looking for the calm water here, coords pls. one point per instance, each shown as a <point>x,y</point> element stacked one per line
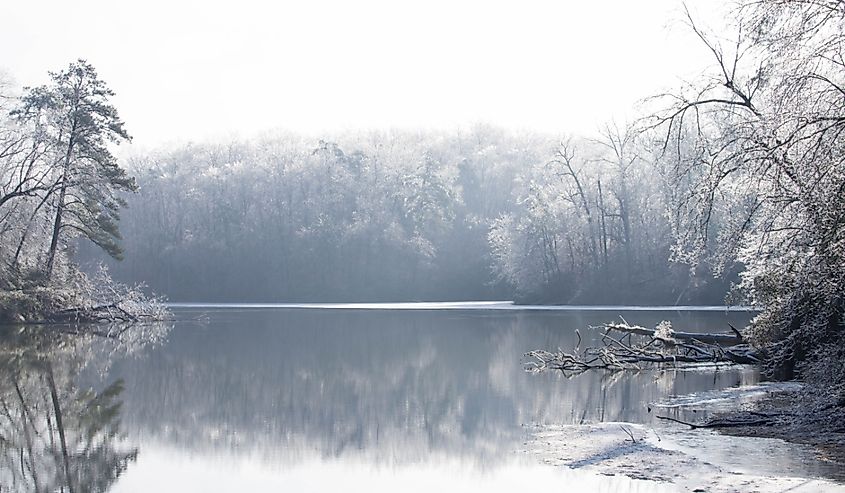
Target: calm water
<point>256,399</point>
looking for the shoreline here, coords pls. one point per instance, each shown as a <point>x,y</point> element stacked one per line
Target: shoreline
<point>700,460</point>
<point>797,425</point>
<point>789,455</point>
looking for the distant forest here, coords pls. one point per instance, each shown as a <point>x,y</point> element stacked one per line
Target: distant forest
<point>398,216</point>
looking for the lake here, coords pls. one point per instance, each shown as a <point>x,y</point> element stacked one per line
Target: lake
<point>391,398</point>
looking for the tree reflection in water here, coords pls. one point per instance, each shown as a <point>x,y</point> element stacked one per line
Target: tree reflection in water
<point>54,435</point>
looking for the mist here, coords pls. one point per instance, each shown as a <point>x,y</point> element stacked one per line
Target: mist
<point>478,214</point>
<point>458,246</point>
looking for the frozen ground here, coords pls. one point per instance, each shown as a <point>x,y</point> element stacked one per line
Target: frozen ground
<point>674,460</point>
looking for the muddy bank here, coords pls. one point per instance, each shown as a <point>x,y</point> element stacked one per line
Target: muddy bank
<point>794,419</point>
<point>781,410</point>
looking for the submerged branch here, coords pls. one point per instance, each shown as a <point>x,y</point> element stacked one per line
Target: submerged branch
<point>724,423</point>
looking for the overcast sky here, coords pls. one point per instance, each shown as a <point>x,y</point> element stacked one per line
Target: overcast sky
<point>194,70</point>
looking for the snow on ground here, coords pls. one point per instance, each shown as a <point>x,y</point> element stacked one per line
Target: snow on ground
<point>656,455</point>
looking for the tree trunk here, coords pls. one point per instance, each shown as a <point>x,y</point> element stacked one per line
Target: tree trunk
<point>57,227</point>
<point>57,224</point>
<point>603,230</point>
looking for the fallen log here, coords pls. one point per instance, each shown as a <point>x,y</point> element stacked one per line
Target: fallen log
<point>707,338</point>
<point>657,347</point>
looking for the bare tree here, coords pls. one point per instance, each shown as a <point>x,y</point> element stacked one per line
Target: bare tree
<point>756,153</point>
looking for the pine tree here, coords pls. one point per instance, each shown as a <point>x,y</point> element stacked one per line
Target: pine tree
<point>75,117</point>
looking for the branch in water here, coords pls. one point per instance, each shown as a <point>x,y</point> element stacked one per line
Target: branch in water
<point>660,346</point>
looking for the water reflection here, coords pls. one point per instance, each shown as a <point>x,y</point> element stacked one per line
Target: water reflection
<point>286,385</point>
<point>54,434</point>
<point>264,397</point>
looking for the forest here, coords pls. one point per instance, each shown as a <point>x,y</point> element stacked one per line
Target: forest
<point>402,216</point>
<point>727,190</point>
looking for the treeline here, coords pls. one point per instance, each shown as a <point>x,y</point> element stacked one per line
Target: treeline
<point>478,214</point>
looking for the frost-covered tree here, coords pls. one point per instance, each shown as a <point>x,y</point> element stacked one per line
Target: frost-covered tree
<point>590,227</point>
<point>74,119</point>
<point>60,184</point>
<point>755,151</point>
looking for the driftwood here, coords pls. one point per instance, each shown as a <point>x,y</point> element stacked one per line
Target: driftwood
<point>721,339</point>
<point>654,347</point>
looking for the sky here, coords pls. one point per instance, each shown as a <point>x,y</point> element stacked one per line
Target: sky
<point>201,70</point>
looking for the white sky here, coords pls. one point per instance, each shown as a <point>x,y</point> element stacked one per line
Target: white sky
<point>193,70</point>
